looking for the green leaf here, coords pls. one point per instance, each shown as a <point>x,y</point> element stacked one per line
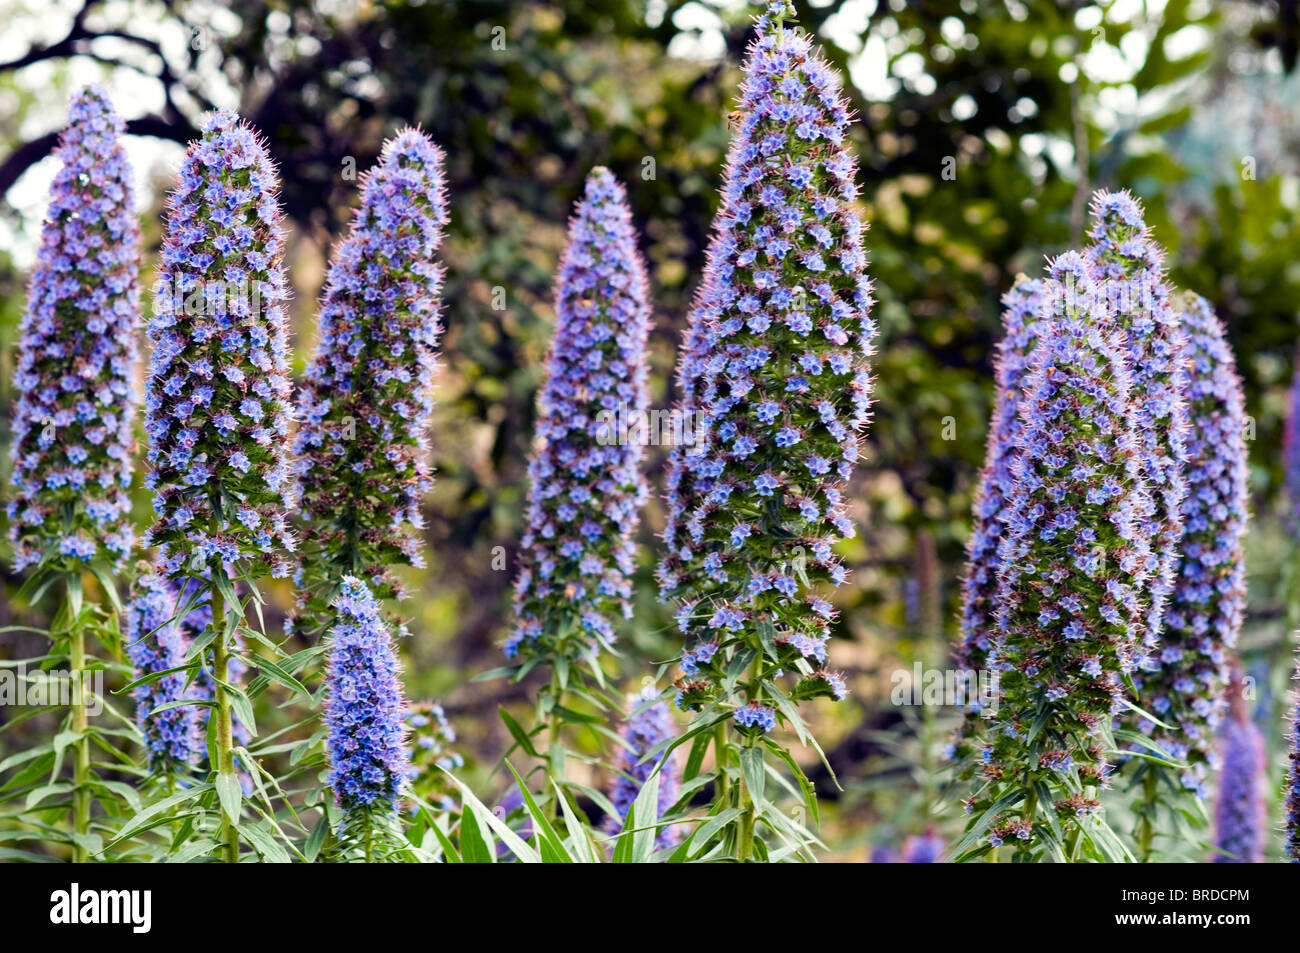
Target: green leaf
<point>517,732</point>
<point>751,764</point>
<point>230,794</point>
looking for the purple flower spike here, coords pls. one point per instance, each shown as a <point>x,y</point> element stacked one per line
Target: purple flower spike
<point>1241,814</point>
<point>643,731</point>
<point>1291,454</point>
<point>1020,321</point>
<point>1075,556</point>
<point>363,457</point>
<point>365,707</point>
<point>1128,274</point>
<point>72,443</point>
<point>217,399</point>
<point>1208,602</point>
<point>586,488</point>
<point>154,644</point>
<point>775,362</point>
<point>1292,806</point>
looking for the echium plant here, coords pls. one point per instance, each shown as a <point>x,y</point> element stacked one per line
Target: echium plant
<point>1128,273</point>
<point>1075,562</point>
<point>586,488</point>
<point>1021,326</point>
<point>1015,353</point>
<point>155,644</point>
<point>1240,813</point>
<point>217,404</point>
<point>72,439</point>
<point>365,710</point>
<point>648,725</point>
<point>362,451</point>
<point>1291,454</point>
<point>784,396</point>
<point>1291,804</point>
<point>1207,604</point>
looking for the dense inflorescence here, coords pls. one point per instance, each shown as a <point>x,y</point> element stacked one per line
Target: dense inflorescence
<point>1240,814</point>
<point>155,645</point>
<point>647,726</point>
<point>1208,601</point>
<point>1291,454</point>
<point>585,483</point>
<point>72,441</point>
<point>217,401</point>
<point>777,357</point>
<point>1021,327</point>
<point>362,451</point>
<point>364,706</point>
<point>1075,556</point>
<point>1292,795</point>
<point>1128,275</point>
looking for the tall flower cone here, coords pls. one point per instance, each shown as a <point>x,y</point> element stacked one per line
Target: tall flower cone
<point>1208,601</point>
<point>72,427</point>
<point>362,448</point>
<point>217,400</point>
<point>72,441</point>
<point>1020,321</point>
<point>365,711</point>
<point>1128,266</point>
<point>1075,560</point>
<point>586,488</point>
<point>776,359</point>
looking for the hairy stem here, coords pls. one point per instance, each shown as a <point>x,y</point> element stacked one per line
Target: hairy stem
<point>80,724</point>
<point>1146,828</point>
<point>225,734</point>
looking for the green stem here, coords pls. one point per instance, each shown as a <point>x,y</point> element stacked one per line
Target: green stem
<point>225,735</point>
<point>555,730</point>
<point>80,724</point>
<point>745,848</point>
<point>720,745</point>
<point>1146,828</point>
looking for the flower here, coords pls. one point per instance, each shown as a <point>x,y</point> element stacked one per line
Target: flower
<point>364,706</point>
<point>1291,453</point>
<point>1293,782</point>
<point>1240,814</point>
<point>1071,609</point>
<point>431,737</point>
<point>154,645</point>
<point>1208,601</point>
<point>217,396</point>
<point>775,362</point>
<point>72,444</point>
<point>923,849</point>
<point>648,724</point>
<point>362,453</point>
<point>1021,329</point>
<point>585,483</point>
<point>1128,278</point>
